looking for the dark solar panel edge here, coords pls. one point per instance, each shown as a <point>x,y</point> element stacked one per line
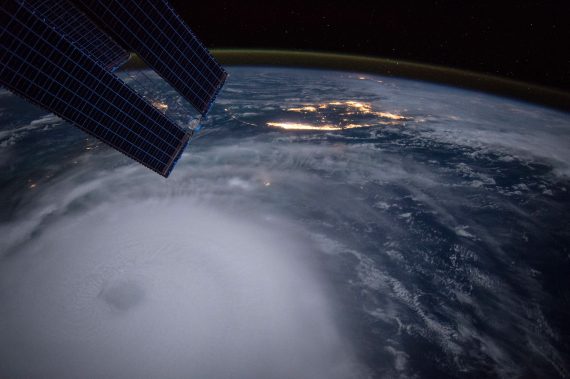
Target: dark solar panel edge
<point>23,91</point>
<point>215,95</point>
<point>136,37</point>
<point>183,139</point>
<point>165,172</point>
<point>168,169</point>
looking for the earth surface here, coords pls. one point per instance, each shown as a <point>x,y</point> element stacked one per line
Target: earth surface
<point>323,225</point>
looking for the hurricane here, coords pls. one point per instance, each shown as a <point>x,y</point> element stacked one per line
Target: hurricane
<point>323,225</point>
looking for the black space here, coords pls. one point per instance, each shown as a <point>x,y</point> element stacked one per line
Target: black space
<point>522,40</point>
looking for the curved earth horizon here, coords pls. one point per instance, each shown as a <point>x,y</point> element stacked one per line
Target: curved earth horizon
<point>552,97</point>
<point>325,224</point>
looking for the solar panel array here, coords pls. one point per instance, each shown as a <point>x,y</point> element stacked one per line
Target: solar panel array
<point>165,43</point>
<point>42,65</point>
<point>70,21</point>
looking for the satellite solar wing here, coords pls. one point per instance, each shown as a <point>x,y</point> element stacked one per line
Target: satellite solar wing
<point>165,43</point>
<point>75,25</point>
<point>42,65</point>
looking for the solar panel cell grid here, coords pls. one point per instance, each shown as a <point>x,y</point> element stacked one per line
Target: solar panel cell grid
<point>70,21</point>
<point>165,43</point>
<point>65,82</point>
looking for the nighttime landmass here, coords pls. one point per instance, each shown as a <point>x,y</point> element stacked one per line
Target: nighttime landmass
<point>180,198</point>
